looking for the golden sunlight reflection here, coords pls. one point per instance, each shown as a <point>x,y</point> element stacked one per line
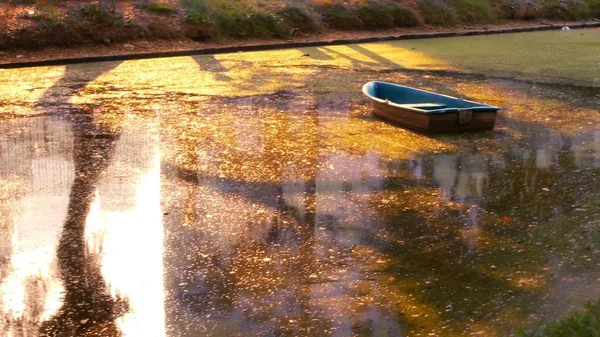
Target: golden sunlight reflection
<point>203,81</point>
<point>32,218</point>
<point>403,57</point>
<point>246,148</point>
<point>528,105</point>
<point>233,146</point>
<point>249,73</point>
<point>359,136</point>
<point>20,89</point>
<point>126,230</point>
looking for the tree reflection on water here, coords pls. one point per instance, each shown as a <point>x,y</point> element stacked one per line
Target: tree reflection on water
<point>88,308</point>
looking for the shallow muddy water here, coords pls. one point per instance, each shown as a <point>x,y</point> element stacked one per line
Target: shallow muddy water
<point>256,195</point>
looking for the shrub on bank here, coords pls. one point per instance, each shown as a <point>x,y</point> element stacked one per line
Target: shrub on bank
<point>162,8</point>
<point>219,20</point>
<point>546,9</point>
<point>564,9</point>
<point>51,24</point>
<point>527,10</point>
<point>438,13</point>
<point>339,16</point>
<point>254,24</point>
<point>198,25</point>
<point>474,11</point>
<point>370,15</point>
<point>96,15</point>
<point>453,12</point>
<point>385,15</point>
<point>93,23</point>
<point>296,19</point>
<point>594,8</point>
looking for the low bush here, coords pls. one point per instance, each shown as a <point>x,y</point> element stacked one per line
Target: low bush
<point>298,19</point>
<point>45,11</point>
<point>222,19</point>
<point>197,16</point>
<point>96,14</point>
<point>594,8</point>
<point>369,15</point>
<point>199,26</point>
<point>529,10</point>
<point>62,34</point>
<point>404,17</point>
<point>228,24</point>
<point>506,9</point>
<point>564,9</point>
<point>438,13</point>
<point>253,24</point>
<point>92,23</point>
<point>52,24</point>
<point>162,8</point>
<point>159,29</point>
<point>375,15</point>
<point>339,16</point>
<point>474,11</point>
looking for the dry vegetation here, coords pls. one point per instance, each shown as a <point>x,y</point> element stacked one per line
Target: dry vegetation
<point>38,23</point>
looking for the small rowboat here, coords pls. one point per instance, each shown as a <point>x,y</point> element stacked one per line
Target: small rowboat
<point>427,111</point>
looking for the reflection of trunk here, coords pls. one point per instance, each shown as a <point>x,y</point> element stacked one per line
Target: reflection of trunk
<point>88,307</point>
<point>307,238</point>
<point>310,189</point>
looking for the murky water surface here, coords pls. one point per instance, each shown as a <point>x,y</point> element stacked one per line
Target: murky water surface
<point>256,195</point>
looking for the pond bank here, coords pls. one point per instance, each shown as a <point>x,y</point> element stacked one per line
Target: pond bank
<point>165,48</point>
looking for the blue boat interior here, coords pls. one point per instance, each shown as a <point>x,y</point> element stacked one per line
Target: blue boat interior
<point>429,102</point>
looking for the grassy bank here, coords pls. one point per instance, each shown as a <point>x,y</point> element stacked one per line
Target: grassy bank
<point>38,23</point>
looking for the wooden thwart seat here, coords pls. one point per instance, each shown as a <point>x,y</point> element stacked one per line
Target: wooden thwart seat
<point>424,106</point>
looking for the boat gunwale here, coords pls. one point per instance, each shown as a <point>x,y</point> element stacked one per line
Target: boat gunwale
<point>481,107</point>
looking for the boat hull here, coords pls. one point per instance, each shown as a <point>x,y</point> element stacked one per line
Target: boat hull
<point>447,122</point>
<point>428,111</point>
